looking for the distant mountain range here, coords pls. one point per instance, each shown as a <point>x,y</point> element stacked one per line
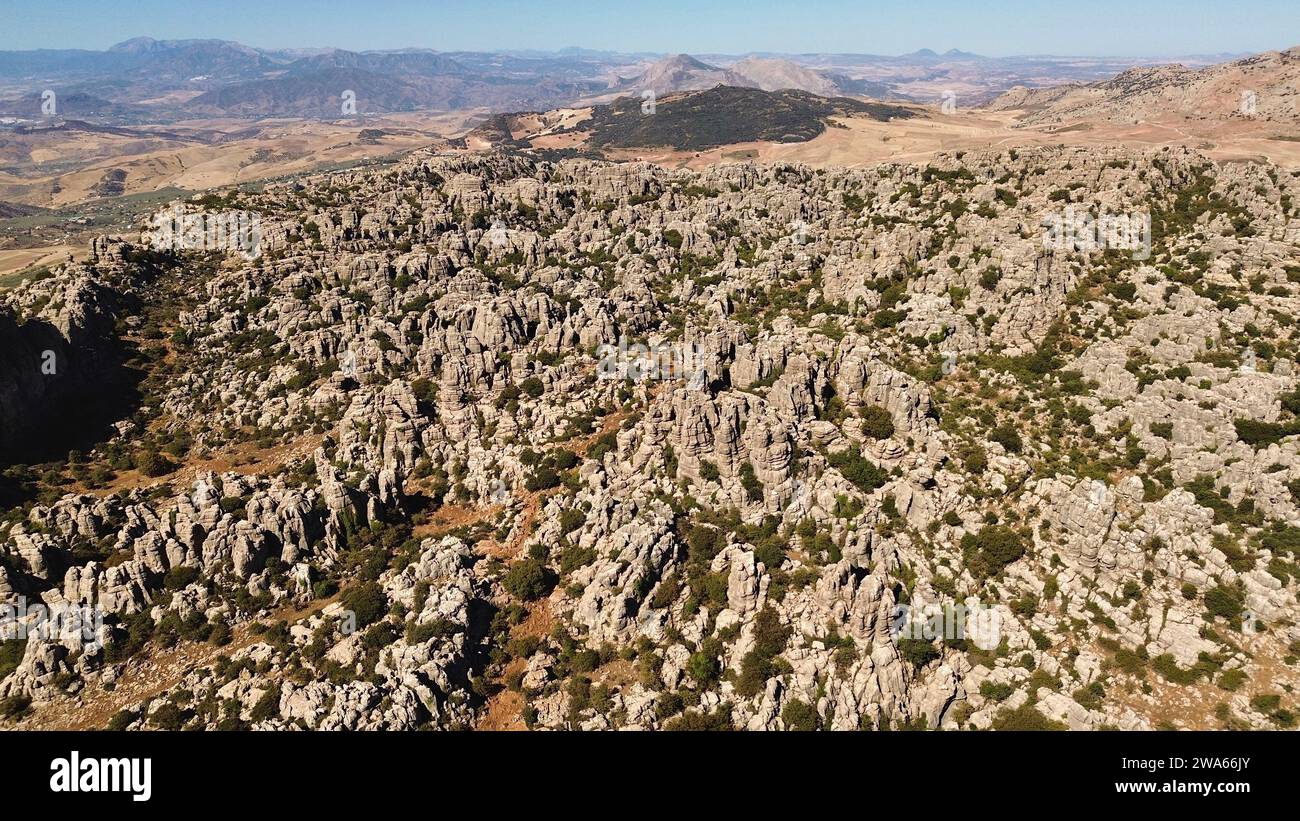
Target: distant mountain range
<point>160,80</point>
<point>148,80</point>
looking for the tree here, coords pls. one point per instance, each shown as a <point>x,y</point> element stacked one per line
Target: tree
<point>877,422</point>
<point>1008,437</point>
<point>367,600</point>
<point>703,667</point>
<point>992,549</point>
<point>917,652</point>
<point>770,637</point>
<point>153,464</point>
<point>749,481</point>
<point>528,579</point>
<point>533,386</point>
<point>167,717</point>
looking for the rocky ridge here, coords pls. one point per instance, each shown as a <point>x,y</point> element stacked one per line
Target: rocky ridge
<point>847,391</point>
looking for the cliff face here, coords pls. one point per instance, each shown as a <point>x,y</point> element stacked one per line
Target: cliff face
<point>54,362</point>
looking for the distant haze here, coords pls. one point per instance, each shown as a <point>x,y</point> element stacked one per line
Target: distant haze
<point>1010,27</point>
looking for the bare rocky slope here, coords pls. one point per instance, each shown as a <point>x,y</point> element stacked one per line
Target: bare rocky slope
<point>393,472</point>
<point>1271,79</point>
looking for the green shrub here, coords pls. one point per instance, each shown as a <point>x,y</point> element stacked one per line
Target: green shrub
<point>770,638</point>
<point>692,721</point>
<point>167,717</point>
<point>1231,680</point>
<point>974,458</point>
<point>268,705</point>
<point>121,720</point>
<point>1025,717</point>
<point>1265,703</point>
<point>991,549</point>
<point>704,668</point>
<point>749,481</point>
<point>887,319</point>
<point>669,704</point>
<point>180,577</point>
<point>994,691</point>
<point>1090,697</point>
<point>877,423</point>
<point>151,463</point>
<point>799,716</point>
<point>917,652</point>
<point>543,478</point>
<point>1008,437</point>
<point>367,601</point>
<point>14,707</point>
<point>532,386</point>
<point>859,470</point>
<point>1226,602</point>
<point>1167,666</point>
<point>1262,434</point>
<point>572,519</point>
<point>11,655</point>
<point>528,579</point>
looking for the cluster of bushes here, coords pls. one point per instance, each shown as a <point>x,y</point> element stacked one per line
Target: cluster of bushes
<point>859,470</point>
<point>761,663</point>
<point>550,469</point>
<point>1262,434</point>
<point>991,549</point>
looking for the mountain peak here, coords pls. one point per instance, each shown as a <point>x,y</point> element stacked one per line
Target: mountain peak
<point>136,45</point>
<point>685,61</point>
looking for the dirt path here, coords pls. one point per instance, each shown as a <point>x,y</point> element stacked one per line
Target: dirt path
<point>452,517</point>
<point>505,710</point>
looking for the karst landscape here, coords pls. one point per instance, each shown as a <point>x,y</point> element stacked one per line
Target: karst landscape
<point>550,404</point>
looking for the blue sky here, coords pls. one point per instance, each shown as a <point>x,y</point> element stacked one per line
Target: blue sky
<point>992,27</point>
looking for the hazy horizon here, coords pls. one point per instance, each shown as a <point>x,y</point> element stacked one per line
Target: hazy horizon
<point>1107,28</point>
